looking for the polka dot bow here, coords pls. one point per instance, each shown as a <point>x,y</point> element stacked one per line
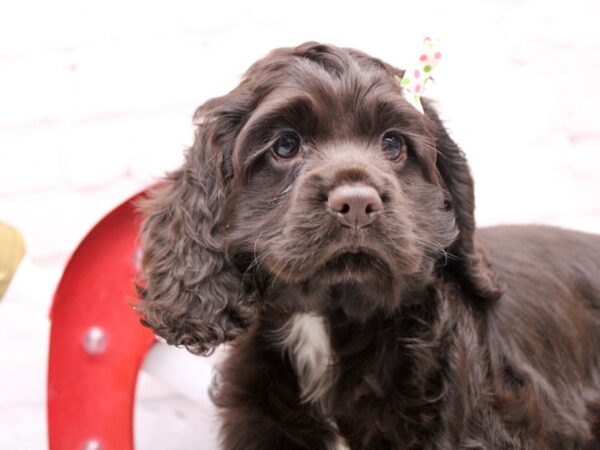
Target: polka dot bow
<point>414,80</point>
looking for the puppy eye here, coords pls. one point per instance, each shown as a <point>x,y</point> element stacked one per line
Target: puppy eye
<point>287,146</point>
<point>393,145</point>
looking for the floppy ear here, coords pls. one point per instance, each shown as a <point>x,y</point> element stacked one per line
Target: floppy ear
<point>471,266</point>
<point>191,295</point>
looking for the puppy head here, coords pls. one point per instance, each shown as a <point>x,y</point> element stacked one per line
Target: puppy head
<point>313,170</point>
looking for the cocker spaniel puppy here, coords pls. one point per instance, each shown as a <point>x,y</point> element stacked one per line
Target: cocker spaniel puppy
<point>325,227</point>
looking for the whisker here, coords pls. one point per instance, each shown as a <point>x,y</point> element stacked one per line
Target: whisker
<point>277,274</point>
<point>437,248</point>
<point>380,266</point>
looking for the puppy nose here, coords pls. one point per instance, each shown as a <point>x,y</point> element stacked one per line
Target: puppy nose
<point>355,206</point>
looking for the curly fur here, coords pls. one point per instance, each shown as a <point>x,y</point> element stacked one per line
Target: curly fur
<point>416,332</point>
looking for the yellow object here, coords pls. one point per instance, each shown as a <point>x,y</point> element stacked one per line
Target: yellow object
<point>12,250</point>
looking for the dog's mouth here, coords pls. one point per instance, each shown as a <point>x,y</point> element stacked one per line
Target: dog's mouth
<point>355,266</point>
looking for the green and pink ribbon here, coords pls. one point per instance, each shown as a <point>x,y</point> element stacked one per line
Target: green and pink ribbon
<point>415,79</point>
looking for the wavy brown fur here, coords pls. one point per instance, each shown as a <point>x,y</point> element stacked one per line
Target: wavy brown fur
<point>430,350</point>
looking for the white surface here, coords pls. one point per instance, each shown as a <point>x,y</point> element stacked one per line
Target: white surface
<point>187,374</point>
<point>96,101</point>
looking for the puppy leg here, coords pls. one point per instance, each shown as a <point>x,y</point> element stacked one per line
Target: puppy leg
<point>259,401</point>
<point>249,429</point>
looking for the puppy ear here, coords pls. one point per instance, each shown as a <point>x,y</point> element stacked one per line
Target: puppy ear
<point>471,265</point>
<point>191,295</point>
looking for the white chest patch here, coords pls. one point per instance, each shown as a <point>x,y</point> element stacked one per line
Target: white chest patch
<point>339,444</point>
<point>306,340</point>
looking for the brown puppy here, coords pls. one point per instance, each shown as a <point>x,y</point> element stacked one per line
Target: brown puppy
<point>327,226</point>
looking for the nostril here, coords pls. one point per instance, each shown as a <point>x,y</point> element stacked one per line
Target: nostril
<point>344,209</point>
<point>375,206</point>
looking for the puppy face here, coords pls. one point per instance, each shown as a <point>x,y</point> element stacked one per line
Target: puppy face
<point>335,179</point>
<point>314,173</point>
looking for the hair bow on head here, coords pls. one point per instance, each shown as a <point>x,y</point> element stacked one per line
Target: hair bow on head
<point>414,80</point>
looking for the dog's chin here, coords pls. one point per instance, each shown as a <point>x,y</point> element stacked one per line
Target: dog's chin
<point>354,266</point>
<point>346,265</point>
